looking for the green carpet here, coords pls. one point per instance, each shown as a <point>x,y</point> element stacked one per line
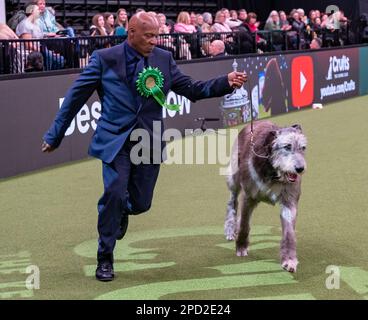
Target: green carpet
<point>177,250</point>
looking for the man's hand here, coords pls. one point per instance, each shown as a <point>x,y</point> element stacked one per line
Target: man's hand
<point>46,147</point>
<point>237,79</point>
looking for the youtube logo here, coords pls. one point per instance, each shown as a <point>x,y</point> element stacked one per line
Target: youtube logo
<point>302,81</point>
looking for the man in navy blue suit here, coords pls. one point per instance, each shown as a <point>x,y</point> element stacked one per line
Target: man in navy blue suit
<point>128,186</point>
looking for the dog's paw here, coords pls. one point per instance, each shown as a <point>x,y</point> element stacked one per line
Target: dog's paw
<point>230,236</point>
<point>242,252</point>
<point>290,265</point>
<point>230,230</point>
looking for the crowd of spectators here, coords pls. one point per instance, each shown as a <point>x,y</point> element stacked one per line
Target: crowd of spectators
<point>296,30</point>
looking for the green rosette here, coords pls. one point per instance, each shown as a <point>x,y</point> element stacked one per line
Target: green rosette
<point>149,83</point>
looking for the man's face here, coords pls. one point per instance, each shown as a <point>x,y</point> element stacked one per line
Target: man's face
<point>213,49</point>
<point>143,37</point>
<point>41,5</point>
<point>242,15</point>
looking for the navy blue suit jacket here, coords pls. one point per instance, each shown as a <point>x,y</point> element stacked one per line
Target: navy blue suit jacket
<point>121,110</point>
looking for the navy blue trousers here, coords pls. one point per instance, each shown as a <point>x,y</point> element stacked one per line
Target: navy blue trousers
<point>128,189</point>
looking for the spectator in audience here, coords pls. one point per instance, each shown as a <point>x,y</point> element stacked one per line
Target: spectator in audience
<point>48,24</point>
<point>183,24</point>
<point>318,13</point>
<point>226,12</point>
<point>34,62</point>
<point>122,19</point>
<point>324,21</point>
<point>299,27</point>
<point>109,23</point>
<point>252,25</point>
<point>284,23</point>
<point>207,21</point>
<point>233,21</point>
<point>121,22</point>
<point>220,24</point>
<point>316,27</point>
<point>312,17</point>
<point>29,27</point>
<point>242,15</point>
<point>302,17</point>
<point>200,22</point>
<point>273,22</point>
<point>217,48</point>
<point>165,41</point>
<point>98,26</point>
<point>316,43</point>
<point>193,21</point>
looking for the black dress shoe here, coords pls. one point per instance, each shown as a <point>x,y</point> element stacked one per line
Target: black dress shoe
<point>105,271</point>
<point>123,226</point>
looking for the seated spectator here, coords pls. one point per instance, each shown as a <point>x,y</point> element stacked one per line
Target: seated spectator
<point>273,22</point>
<point>98,26</point>
<point>109,23</point>
<point>207,21</point>
<point>316,43</point>
<point>200,22</point>
<point>220,24</point>
<point>34,62</point>
<point>183,24</point>
<point>193,21</point>
<point>121,23</point>
<point>242,15</point>
<point>217,48</point>
<point>165,40</point>
<point>273,25</point>
<point>233,21</point>
<point>299,27</point>
<point>252,25</point>
<point>312,16</point>
<point>284,23</point>
<point>303,18</point>
<point>29,27</point>
<point>48,24</point>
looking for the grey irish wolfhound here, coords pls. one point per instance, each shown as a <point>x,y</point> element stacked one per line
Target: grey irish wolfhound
<point>268,169</point>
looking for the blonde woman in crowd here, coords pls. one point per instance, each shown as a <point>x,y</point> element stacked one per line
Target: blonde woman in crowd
<point>183,24</point>
<point>122,19</point>
<point>220,24</point>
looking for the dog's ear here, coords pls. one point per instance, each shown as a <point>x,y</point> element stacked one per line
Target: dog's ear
<point>270,137</point>
<point>297,127</point>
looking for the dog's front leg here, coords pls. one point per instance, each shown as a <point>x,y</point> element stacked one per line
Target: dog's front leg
<point>230,219</point>
<point>246,207</point>
<point>289,259</point>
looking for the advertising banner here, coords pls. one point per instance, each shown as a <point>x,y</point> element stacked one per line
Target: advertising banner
<point>276,84</point>
<point>363,77</point>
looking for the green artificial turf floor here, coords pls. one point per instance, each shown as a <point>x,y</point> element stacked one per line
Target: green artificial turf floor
<point>177,250</point>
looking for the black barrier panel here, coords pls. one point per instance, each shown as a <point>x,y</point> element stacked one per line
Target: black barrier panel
<point>277,83</point>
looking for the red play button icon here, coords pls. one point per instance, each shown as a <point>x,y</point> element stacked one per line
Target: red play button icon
<point>302,81</point>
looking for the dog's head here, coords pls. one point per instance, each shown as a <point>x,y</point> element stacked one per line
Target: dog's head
<point>287,148</point>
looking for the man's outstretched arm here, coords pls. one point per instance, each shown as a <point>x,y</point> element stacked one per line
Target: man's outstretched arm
<point>196,90</point>
<point>76,97</point>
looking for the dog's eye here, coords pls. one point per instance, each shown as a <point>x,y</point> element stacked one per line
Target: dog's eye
<point>303,148</point>
<point>287,147</point>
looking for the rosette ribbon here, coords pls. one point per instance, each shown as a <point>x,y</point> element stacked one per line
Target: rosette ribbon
<point>149,83</point>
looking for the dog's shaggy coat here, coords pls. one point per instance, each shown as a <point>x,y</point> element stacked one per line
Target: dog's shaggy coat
<point>268,170</point>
